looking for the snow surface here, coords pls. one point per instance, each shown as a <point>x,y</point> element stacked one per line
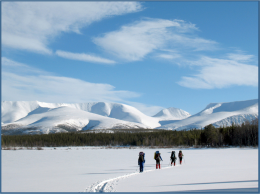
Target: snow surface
<point>98,169</point>
<point>218,114</point>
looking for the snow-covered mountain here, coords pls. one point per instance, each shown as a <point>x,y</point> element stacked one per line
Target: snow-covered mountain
<point>172,114</point>
<point>40,117</point>
<point>64,119</point>
<point>12,111</point>
<point>218,114</point>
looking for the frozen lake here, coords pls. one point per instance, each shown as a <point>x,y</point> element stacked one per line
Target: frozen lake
<point>99,169</point>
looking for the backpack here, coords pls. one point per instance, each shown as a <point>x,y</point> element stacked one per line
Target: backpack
<point>141,158</point>
<point>156,155</point>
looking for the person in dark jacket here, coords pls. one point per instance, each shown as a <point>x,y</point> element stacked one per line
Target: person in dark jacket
<point>158,158</point>
<point>173,158</point>
<point>141,161</point>
<point>180,156</point>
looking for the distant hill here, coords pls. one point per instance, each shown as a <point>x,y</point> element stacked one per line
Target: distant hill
<point>218,114</point>
<point>172,114</point>
<point>33,117</point>
<point>40,117</point>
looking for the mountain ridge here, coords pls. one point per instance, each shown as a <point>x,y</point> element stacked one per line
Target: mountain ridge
<point>41,117</point>
<point>172,114</point>
<point>216,112</point>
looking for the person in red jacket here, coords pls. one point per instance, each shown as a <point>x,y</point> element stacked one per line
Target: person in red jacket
<point>180,156</point>
<point>158,158</point>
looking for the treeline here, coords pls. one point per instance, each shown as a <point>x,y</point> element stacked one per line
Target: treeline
<point>235,135</point>
<point>244,135</point>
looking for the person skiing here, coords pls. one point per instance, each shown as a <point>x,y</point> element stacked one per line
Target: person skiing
<point>173,158</point>
<point>141,161</point>
<point>158,158</point>
<point>180,156</point>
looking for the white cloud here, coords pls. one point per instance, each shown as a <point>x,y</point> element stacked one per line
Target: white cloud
<point>169,56</point>
<point>32,25</point>
<point>19,68</point>
<point>84,57</point>
<point>58,89</point>
<point>196,82</point>
<point>198,44</point>
<point>133,42</point>
<point>221,73</point>
<point>240,57</point>
<point>20,82</point>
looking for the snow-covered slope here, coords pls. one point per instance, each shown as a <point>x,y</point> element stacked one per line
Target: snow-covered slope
<point>12,111</point>
<point>238,119</point>
<point>40,117</point>
<point>218,114</point>
<point>172,114</point>
<point>45,117</point>
<point>64,119</point>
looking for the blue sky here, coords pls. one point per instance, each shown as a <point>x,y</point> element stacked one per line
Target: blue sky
<point>150,55</point>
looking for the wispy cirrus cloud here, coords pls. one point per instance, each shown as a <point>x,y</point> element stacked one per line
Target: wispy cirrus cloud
<point>134,41</point>
<point>34,84</point>
<point>21,82</point>
<point>222,72</point>
<point>169,56</point>
<point>83,57</point>
<point>174,40</point>
<point>240,57</point>
<point>32,26</point>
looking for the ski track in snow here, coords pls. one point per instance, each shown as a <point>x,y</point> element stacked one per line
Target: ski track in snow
<point>109,184</point>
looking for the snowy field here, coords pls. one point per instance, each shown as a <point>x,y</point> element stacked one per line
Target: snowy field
<point>99,169</point>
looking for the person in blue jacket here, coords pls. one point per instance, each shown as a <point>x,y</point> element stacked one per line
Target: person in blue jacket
<point>141,161</point>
